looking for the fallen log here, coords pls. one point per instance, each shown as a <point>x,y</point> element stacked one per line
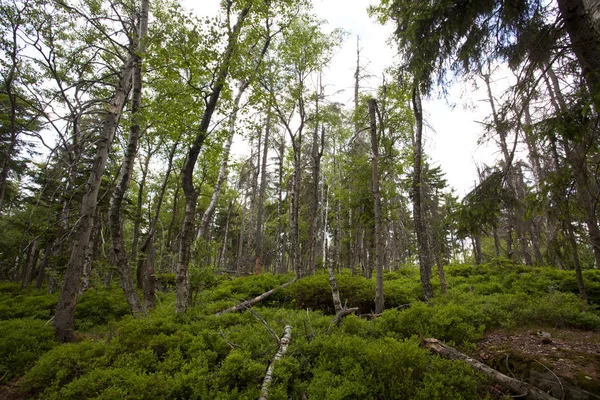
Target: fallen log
<point>340,316</point>
<point>514,385</point>
<point>249,303</point>
<point>283,344</point>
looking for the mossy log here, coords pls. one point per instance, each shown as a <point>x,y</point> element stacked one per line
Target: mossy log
<point>514,385</point>
<point>249,303</point>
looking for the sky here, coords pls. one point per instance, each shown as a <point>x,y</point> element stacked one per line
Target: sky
<point>451,130</point>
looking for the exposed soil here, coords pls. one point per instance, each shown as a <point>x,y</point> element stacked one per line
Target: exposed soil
<point>563,362</point>
<point>11,392</point>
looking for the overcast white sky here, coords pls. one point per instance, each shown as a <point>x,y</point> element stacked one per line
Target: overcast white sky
<point>450,139</point>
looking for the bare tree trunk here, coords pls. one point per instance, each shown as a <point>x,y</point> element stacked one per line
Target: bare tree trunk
<point>376,208</point>
<point>191,195</point>
<point>12,50</point>
<point>283,344</point>
<point>261,196</point>
<point>255,167</point>
<point>42,273</point>
<point>477,249</point>
<point>295,208</point>
<point>240,254</point>
<point>281,234</point>
<point>139,275</point>
<point>420,227</point>
<point>30,263</point>
<point>89,254</point>
<point>212,206</point>
<point>221,261</point>
<point>147,250</point>
<point>64,320</point>
<point>116,201</point>
<point>316,154</point>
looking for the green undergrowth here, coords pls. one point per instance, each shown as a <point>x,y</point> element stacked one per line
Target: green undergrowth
<point>202,356</point>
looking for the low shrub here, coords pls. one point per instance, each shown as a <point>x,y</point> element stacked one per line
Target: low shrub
<point>98,307</point>
<point>29,303</point>
<point>22,342</point>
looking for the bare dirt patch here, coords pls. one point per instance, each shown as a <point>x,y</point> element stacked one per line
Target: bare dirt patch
<point>563,362</point>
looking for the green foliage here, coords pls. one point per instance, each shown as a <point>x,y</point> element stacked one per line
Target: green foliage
<point>22,342</point>
<point>314,292</point>
<point>199,355</point>
<point>97,307</point>
<point>17,303</point>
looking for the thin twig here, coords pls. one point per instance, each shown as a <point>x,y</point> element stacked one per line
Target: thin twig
<point>507,367</point>
<point>562,388</point>
<point>268,327</point>
<point>231,345</point>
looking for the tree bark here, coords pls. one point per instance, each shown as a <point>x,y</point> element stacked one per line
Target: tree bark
<point>261,197</point>
<point>139,274</point>
<point>377,208</point>
<point>316,154</point>
<point>335,292</point>
<point>283,344</point>
<point>116,201</point>
<point>281,234</point>
<point>64,320</point>
<point>30,263</point>
<point>420,227</point>
<point>147,250</point>
<point>187,175</point>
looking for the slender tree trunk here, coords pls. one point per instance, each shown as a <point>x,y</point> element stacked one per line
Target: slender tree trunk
<point>30,264</point>
<point>335,292</point>
<point>587,189</point>
<point>255,167</point>
<point>191,195</point>
<point>496,241</point>
<point>316,154</point>
<point>212,206</point>
<point>477,249</point>
<point>42,273</point>
<point>575,257</point>
<point>9,81</point>
<point>420,227</point>
<point>147,257</point>
<point>139,275</point>
<point>64,320</point>
<point>116,202</point>
<point>89,254</point>
<point>281,234</point>
<point>221,264</point>
<point>261,196</point>
<point>295,215</point>
<point>376,208</point>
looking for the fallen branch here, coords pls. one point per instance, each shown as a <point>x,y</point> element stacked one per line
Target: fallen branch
<point>249,303</point>
<point>512,384</point>
<point>340,316</point>
<point>283,344</point>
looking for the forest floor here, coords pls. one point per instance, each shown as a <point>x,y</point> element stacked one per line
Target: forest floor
<point>11,391</point>
<point>565,362</point>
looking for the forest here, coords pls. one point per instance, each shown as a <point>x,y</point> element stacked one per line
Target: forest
<point>143,256</point>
